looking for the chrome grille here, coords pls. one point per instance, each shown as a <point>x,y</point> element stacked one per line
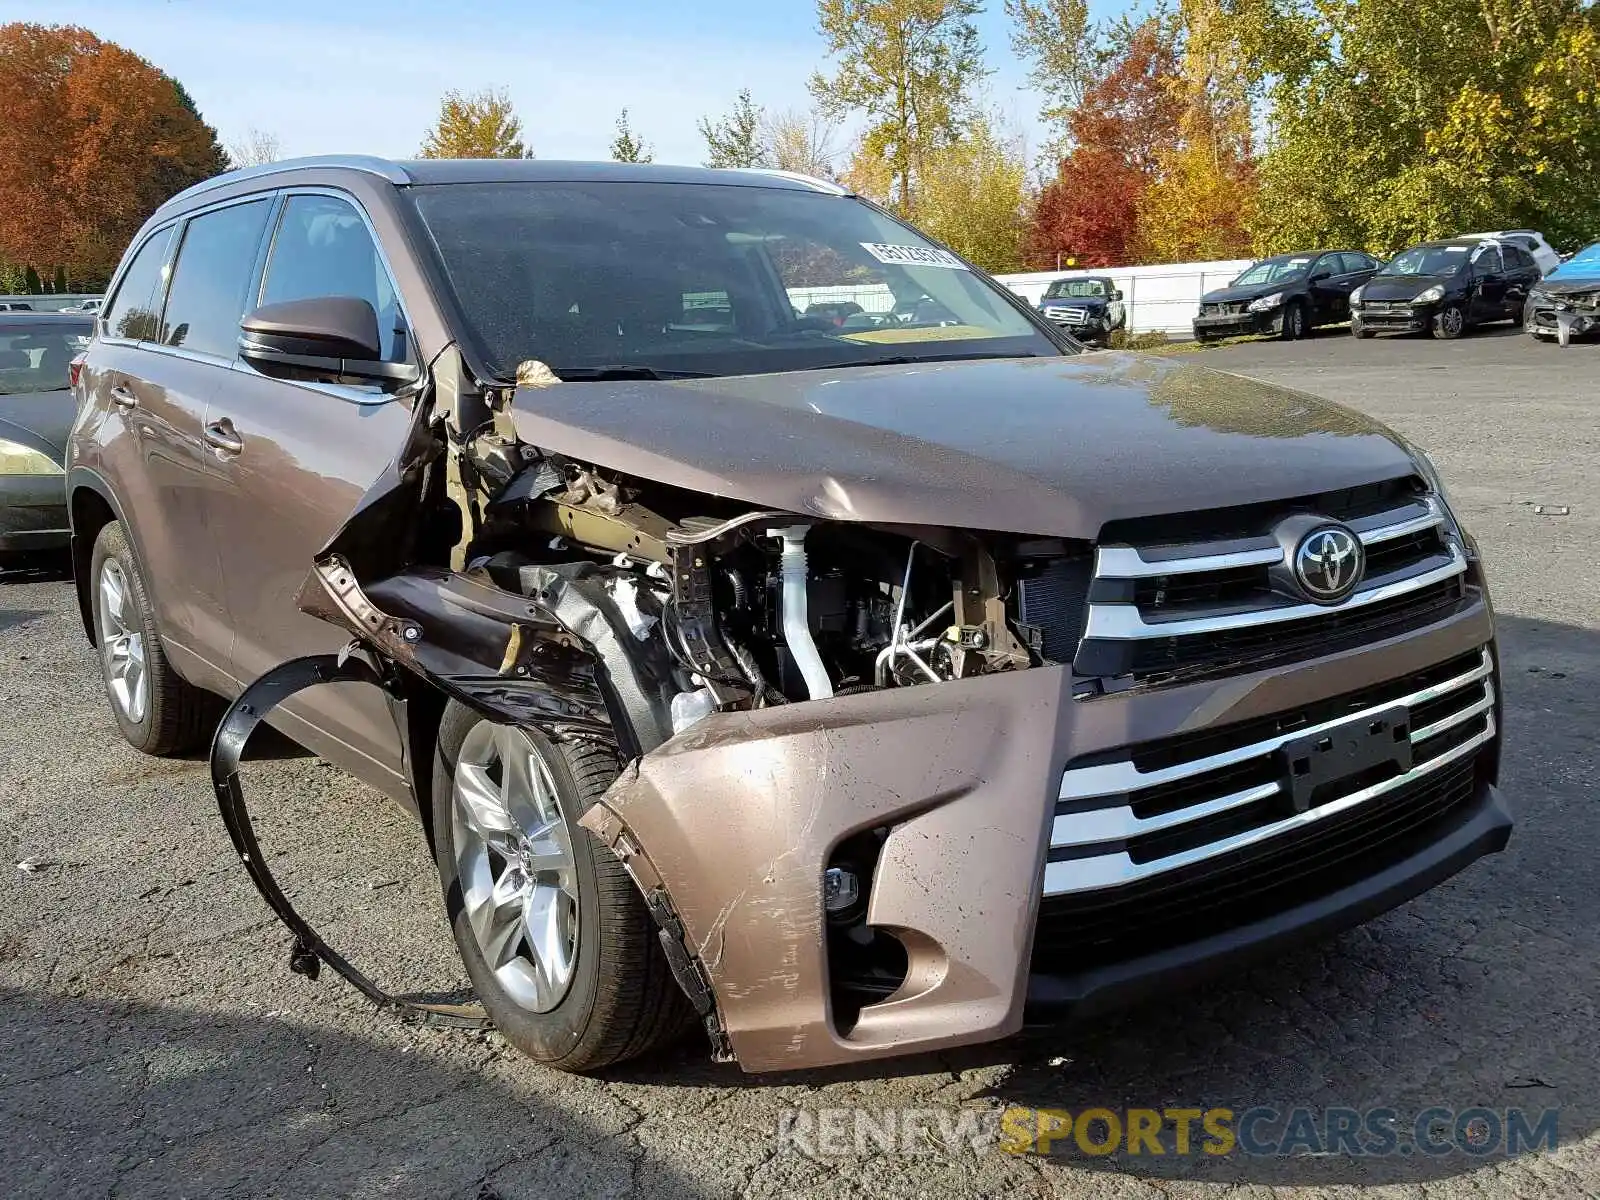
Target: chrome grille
<point>1149,810</point>
<point>1066,315</point>
<point>1215,606</point>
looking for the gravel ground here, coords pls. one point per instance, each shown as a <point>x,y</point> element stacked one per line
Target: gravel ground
<point>153,1043</point>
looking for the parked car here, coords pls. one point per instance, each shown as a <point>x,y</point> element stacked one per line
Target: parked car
<point>15,306</point>
<point>36,352</point>
<point>1566,303</point>
<point>1530,240</point>
<point>1286,296</point>
<point>1089,307</point>
<point>843,693</point>
<point>89,305</point>
<point>1446,287</point>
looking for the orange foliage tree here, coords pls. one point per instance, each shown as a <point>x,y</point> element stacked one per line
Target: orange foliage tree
<point>1120,134</point>
<point>94,138</point>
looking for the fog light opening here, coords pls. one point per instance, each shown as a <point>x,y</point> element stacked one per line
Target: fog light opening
<point>865,965</point>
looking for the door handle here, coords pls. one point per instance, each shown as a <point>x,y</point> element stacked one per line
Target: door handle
<point>123,397</point>
<point>222,435</point>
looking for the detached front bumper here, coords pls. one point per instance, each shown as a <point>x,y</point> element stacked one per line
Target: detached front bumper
<point>33,513</point>
<point>1552,317</point>
<point>1393,318</point>
<point>1242,324</point>
<point>735,821</point>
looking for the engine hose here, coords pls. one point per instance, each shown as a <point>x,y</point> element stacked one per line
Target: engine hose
<point>309,951</point>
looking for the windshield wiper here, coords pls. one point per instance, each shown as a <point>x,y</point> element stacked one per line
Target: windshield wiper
<point>624,371</point>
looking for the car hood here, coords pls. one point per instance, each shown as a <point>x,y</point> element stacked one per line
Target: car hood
<point>1404,287</point>
<point>1581,276</point>
<point>1049,446</point>
<point>46,415</point>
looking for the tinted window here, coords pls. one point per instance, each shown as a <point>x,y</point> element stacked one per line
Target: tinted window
<point>35,358</point>
<point>131,313</point>
<point>211,277</point>
<point>1352,261</point>
<point>1486,259</point>
<point>323,249</point>
<point>594,274</point>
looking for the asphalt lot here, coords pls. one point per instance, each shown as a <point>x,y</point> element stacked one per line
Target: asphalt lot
<point>153,1042</point>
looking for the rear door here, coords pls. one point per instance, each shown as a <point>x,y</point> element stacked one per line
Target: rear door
<point>305,454</point>
<point>1330,298</point>
<point>1522,272</point>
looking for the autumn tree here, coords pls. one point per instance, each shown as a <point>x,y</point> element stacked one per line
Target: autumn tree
<point>971,196</point>
<point>908,68</point>
<point>1125,127</point>
<point>1202,195</point>
<point>93,139</point>
<point>626,146</point>
<point>801,140</point>
<point>735,139</point>
<point>480,125</point>
<point>1065,53</point>
<point>256,148</point>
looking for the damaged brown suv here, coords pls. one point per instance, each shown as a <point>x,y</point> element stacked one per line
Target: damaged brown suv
<point>848,688</point>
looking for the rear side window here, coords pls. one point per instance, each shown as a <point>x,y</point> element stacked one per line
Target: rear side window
<point>212,275</point>
<point>323,248</point>
<point>1354,262</point>
<point>133,311</point>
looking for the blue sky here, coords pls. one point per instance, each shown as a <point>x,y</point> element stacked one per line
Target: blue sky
<point>366,75</point>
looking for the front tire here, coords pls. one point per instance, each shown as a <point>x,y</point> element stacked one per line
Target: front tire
<point>557,940</point>
<point>1450,322</point>
<point>1295,325</point>
<point>157,711</point>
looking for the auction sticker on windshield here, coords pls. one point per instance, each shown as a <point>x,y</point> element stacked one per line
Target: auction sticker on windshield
<point>913,256</point>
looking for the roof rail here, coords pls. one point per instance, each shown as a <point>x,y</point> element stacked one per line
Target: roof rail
<point>350,162</point>
<point>821,185</point>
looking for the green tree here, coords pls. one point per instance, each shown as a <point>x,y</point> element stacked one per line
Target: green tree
<point>60,284</point>
<point>973,196</point>
<point>480,125</point>
<point>735,140</point>
<point>909,67</point>
<point>626,146</point>
<point>1398,120</point>
<point>1065,55</point>
<point>32,282</point>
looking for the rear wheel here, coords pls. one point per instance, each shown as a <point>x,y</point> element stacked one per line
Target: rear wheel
<point>157,711</point>
<point>557,940</point>
<point>1450,322</point>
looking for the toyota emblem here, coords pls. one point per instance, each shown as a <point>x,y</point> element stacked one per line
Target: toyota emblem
<point>1328,563</point>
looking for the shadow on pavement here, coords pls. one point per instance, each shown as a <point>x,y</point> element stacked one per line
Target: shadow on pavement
<point>104,1097</point>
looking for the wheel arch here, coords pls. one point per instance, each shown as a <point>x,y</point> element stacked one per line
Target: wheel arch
<point>91,506</point>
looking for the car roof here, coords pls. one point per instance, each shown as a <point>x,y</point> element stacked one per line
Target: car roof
<point>1443,242</point>
<point>14,320</point>
<point>437,171</point>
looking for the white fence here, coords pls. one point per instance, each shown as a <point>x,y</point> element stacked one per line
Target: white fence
<point>1164,298</point>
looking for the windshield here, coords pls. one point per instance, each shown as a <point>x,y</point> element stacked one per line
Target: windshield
<point>1077,289</point>
<point>36,359</point>
<point>1429,260</point>
<point>717,279</point>
<point>1589,254</point>
<point>1275,270</point>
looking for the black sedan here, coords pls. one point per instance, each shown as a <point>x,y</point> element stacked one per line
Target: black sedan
<point>1286,296</point>
<point>1089,307</point>
<point>36,411</point>
<point>1445,288</point>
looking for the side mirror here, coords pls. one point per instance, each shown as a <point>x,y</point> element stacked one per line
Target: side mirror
<point>1116,293</point>
<point>326,337</point>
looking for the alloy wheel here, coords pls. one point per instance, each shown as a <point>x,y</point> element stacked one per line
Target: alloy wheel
<point>1452,319</point>
<point>515,865</point>
<point>122,644</point>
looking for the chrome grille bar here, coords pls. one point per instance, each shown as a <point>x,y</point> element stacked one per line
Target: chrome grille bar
<point>1124,622</point>
<point>1113,779</point>
<point>1109,870</point>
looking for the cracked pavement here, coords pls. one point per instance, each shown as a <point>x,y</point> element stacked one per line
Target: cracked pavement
<point>153,1042</point>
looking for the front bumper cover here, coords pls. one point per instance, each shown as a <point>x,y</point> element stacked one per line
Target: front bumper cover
<point>1412,318</point>
<point>736,818</point>
<point>1239,324</point>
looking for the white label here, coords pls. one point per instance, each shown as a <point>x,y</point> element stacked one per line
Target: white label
<point>1455,249</point>
<point>913,256</point>
<point>1298,262</point>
